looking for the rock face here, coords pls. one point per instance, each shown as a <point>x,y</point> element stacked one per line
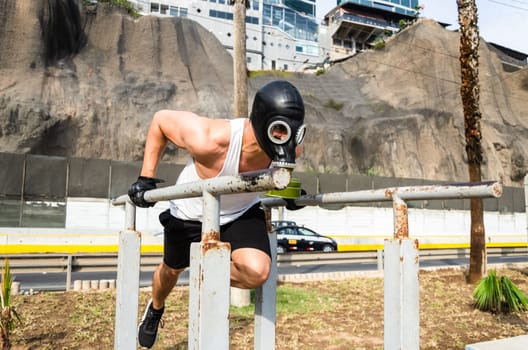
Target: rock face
<point>88,86</point>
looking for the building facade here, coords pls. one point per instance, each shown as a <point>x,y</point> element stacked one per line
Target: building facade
<point>280,34</point>
<point>355,25</point>
<point>285,35</point>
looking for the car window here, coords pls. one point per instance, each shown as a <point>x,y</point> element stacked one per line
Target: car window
<point>285,231</point>
<point>306,232</point>
<point>276,224</point>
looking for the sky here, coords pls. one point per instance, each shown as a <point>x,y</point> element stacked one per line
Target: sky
<point>503,22</point>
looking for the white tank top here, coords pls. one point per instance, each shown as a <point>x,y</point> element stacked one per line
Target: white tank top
<point>232,206</point>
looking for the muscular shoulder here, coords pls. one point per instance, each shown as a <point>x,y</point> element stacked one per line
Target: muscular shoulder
<point>199,135</point>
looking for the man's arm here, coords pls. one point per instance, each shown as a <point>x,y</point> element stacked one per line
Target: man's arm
<point>166,125</point>
<point>175,126</point>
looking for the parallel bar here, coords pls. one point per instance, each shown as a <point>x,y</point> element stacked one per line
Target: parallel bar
<point>436,192</point>
<point>275,178</point>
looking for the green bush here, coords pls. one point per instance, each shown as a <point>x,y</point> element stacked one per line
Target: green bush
<point>499,295</point>
<point>7,311</point>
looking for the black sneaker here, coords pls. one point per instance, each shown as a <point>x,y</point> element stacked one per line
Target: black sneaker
<point>148,328</point>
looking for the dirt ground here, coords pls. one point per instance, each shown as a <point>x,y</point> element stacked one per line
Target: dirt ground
<point>330,315</point>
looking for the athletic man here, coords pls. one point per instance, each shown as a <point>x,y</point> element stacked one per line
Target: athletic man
<point>218,147</point>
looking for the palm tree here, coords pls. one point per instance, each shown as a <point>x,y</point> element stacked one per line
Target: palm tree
<point>240,107</point>
<point>470,92</point>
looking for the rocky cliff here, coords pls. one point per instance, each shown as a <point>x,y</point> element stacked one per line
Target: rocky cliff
<point>86,83</point>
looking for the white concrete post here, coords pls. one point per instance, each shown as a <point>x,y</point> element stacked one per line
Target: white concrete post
<point>127,294</point>
<point>209,281</point>
<point>401,297</point>
<point>266,300</point>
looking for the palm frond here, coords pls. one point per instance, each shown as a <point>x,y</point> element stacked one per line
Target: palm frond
<point>499,295</point>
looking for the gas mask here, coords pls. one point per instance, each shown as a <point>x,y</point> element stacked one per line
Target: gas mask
<point>277,118</point>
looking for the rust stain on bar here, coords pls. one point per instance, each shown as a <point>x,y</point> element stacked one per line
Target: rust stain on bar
<point>402,224</point>
<point>211,236</point>
<point>214,245</point>
<point>389,192</point>
<point>497,189</point>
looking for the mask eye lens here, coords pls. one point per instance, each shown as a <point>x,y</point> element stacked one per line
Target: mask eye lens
<point>279,132</point>
<point>299,136</point>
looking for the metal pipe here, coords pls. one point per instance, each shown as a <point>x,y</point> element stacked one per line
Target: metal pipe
<point>256,181</point>
<point>451,191</point>
<point>401,218</point>
<point>211,217</point>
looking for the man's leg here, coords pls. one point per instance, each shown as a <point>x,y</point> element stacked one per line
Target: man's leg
<point>250,268</point>
<point>163,282</point>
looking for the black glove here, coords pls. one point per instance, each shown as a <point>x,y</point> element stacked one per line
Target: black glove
<point>137,190</point>
<point>290,203</point>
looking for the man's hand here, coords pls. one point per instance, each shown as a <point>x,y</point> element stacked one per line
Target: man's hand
<point>291,205</point>
<point>137,190</point>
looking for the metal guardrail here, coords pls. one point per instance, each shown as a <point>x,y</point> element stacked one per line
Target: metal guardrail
<point>49,263</point>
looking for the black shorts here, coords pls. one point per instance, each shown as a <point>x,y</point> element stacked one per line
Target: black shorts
<point>248,231</point>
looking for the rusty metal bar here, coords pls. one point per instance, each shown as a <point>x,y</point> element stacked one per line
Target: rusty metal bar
<point>401,258</point>
<point>451,191</point>
<point>275,178</point>
<point>209,265</point>
<point>401,218</point>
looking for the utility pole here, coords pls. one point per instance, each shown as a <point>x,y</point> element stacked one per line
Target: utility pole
<point>470,93</point>
<point>240,297</point>
<point>240,107</point>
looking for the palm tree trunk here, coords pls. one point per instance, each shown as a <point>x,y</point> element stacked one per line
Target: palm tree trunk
<point>240,107</point>
<point>470,93</point>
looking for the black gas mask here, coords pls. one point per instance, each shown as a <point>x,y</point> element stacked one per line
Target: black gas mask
<point>277,117</point>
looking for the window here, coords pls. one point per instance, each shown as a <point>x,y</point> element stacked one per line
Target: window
<point>154,7</point>
<point>221,14</point>
<point>306,232</point>
<point>252,20</point>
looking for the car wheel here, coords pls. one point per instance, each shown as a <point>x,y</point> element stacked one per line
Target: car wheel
<point>327,248</point>
<point>281,249</point>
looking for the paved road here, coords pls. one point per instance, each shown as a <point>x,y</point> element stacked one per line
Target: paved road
<point>57,281</point>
